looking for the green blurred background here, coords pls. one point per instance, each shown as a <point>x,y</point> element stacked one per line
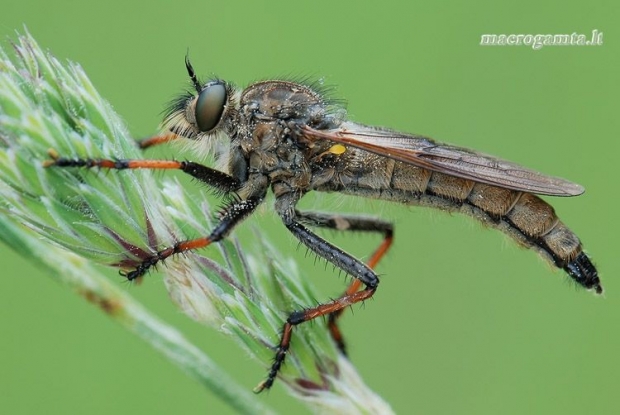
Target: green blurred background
<point>464,322</point>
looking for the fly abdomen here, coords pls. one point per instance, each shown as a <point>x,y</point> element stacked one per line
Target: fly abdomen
<point>525,217</point>
<point>533,223</point>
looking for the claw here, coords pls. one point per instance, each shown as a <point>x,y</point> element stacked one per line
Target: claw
<point>260,387</point>
<point>54,155</point>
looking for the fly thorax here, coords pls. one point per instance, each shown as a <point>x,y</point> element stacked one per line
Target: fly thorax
<point>292,165</point>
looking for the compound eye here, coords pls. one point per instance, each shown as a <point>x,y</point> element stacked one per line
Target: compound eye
<point>210,107</point>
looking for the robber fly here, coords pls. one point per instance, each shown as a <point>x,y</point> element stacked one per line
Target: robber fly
<point>288,137</point>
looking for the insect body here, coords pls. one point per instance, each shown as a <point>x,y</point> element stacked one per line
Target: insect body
<point>289,138</point>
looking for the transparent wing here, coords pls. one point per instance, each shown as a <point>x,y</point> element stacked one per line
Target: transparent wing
<point>444,158</point>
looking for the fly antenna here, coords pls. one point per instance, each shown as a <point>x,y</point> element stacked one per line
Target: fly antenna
<point>192,74</point>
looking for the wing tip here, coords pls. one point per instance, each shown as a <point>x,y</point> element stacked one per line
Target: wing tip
<point>574,189</point>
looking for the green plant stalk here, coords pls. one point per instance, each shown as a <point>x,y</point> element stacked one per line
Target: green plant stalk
<point>78,275</point>
<point>117,219</point>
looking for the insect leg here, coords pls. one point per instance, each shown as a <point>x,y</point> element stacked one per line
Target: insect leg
<point>356,224</point>
<point>157,140</point>
<point>214,178</point>
<point>342,260</point>
<point>230,216</point>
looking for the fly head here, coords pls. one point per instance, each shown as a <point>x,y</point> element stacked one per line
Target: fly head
<point>205,112</point>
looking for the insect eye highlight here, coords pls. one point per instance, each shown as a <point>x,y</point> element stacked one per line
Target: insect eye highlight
<point>210,106</point>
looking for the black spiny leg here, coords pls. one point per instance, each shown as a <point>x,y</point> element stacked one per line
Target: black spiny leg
<point>355,224</point>
<point>232,215</point>
<point>342,260</point>
<point>220,181</point>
